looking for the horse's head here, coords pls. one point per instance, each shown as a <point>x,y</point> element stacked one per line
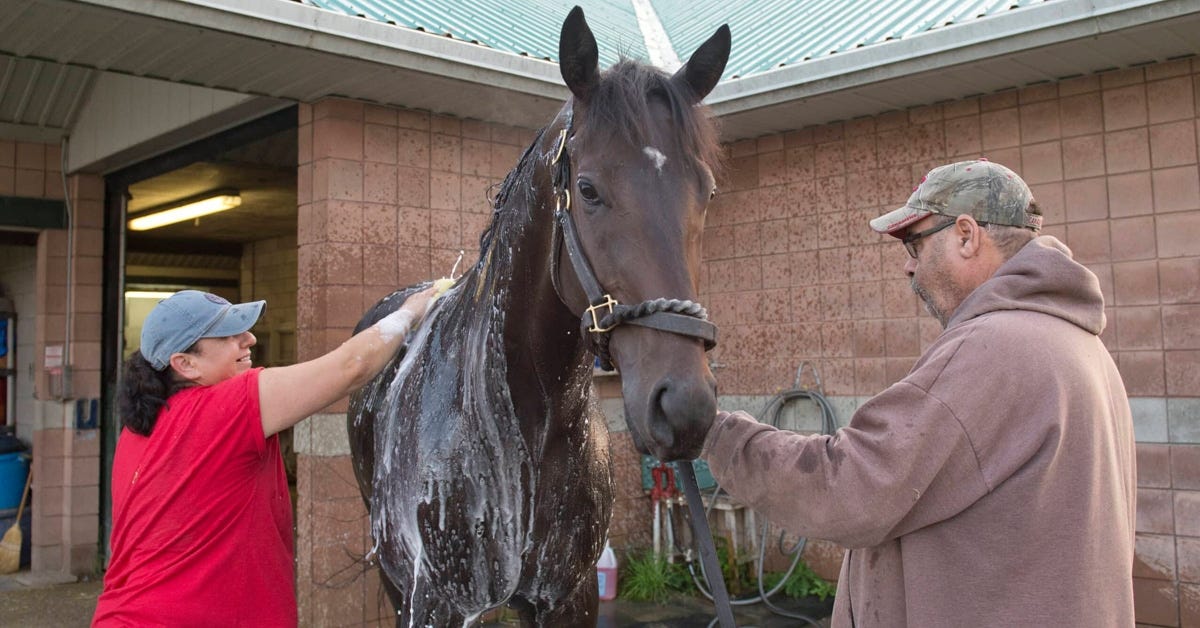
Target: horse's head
<point>642,155</point>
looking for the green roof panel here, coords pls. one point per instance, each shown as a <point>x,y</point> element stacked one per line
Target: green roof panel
<point>767,34</point>
<point>524,27</point>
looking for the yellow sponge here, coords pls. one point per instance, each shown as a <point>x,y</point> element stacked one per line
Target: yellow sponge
<point>441,286</point>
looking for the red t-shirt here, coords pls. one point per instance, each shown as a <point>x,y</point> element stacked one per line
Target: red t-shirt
<point>202,518</point>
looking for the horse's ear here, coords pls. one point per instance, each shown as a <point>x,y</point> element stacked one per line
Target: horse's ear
<point>578,59</point>
<point>701,73</point>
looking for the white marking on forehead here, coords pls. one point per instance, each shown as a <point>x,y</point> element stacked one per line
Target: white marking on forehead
<point>656,156</point>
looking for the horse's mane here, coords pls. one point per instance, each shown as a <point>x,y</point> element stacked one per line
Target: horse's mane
<point>621,101</point>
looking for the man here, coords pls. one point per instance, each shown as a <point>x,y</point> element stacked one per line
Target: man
<point>995,484</point>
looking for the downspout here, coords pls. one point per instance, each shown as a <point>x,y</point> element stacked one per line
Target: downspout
<point>70,317</point>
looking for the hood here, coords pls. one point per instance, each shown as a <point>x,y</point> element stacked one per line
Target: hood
<point>1041,277</point>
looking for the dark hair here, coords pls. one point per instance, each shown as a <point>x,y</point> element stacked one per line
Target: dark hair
<point>144,392</point>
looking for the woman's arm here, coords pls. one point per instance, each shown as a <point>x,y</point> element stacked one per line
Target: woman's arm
<point>288,394</point>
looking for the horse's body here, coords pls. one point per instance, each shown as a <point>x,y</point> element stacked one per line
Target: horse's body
<point>479,450</point>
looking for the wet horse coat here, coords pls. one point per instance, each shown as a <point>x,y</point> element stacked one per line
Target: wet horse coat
<point>479,450</point>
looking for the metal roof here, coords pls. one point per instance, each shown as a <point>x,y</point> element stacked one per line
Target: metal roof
<point>525,27</point>
<point>785,32</point>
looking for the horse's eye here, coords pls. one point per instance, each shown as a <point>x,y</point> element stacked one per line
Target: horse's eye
<point>588,193</point>
<point>712,194</point>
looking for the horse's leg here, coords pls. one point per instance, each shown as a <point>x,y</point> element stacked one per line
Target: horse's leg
<point>580,609</point>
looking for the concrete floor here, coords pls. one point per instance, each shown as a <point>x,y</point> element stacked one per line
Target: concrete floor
<point>30,600</point>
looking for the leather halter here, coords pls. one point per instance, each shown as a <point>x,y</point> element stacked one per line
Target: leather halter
<point>604,313</point>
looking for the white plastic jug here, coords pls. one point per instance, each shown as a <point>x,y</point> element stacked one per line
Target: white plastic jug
<point>606,573</point>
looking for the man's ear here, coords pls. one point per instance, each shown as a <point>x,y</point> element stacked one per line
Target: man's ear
<point>970,236</point>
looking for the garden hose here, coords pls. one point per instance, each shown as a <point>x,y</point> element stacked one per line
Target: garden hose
<point>771,414</point>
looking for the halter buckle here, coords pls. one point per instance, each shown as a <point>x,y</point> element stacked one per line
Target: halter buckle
<point>559,205</point>
<point>608,302</point>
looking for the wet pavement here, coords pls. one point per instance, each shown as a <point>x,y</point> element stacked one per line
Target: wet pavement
<point>30,600</point>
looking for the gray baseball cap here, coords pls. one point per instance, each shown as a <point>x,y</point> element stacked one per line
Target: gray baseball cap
<point>986,191</point>
<point>181,319</point>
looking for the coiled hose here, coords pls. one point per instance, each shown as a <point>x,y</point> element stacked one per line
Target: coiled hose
<point>771,414</point>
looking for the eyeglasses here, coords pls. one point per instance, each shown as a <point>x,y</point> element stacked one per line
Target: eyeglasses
<point>910,240</point>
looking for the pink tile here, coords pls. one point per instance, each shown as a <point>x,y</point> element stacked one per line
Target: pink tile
<point>1176,189</point>
<point>1000,129</point>
<point>1185,466</point>
<point>1154,557</point>
<point>338,108</point>
<point>1079,85</point>
<point>1181,326</point>
<point>1039,122</point>
<point>412,148</point>
<point>1170,99</point>
<point>1050,198</point>
<point>1139,328</point>
<point>1154,465</point>
<point>800,137</point>
<point>1173,144</point>
<point>1183,380</point>
<point>1155,511</point>
<point>337,137</point>
<point>1124,107</point>
<point>1135,283</point>
<point>1133,239</point>
<point>1083,156</point>
<point>1130,194</point>
<point>999,100</point>
<point>1086,199</point>
<point>772,168</point>
<point>1188,552</point>
<point>1179,280</point>
<point>1142,372</point>
<point>1187,513</point>
<point>1089,241</point>
<point>1127,151</point>
<point>380,143</point>
<point>1177,234</point>
<point>960,108</point>
<point>1155,602</point>
<point>1041,163</point>
<point>830,159</point>
<point>412,185</point>
<point>964,136</point>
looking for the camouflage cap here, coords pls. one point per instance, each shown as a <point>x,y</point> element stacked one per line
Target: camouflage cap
<point>986,191</point>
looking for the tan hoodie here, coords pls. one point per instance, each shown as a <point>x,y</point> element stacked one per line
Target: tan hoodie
<point>995,485</point>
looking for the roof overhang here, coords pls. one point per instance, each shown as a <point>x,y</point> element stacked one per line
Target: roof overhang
<point>1037,44</point>
<point>296,52</point>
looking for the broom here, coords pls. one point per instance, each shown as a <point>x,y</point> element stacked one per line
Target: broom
<point>10,545</point>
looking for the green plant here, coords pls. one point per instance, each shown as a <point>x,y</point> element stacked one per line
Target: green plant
<point>647,577</point>
<point>803,582</point>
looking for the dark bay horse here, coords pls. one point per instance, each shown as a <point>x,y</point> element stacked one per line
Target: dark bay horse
<point>479,450</point>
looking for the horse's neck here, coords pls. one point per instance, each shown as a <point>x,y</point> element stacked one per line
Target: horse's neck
<point>546,359</point>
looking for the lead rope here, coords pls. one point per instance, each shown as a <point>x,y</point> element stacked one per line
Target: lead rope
<point>708,551</point>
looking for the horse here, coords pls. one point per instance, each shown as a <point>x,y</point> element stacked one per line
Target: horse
<point>479,450</point>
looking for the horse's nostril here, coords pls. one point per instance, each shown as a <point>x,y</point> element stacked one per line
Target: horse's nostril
<point>661,430</point>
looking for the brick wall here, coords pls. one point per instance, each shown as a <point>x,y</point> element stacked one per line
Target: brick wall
<point>388,197</point>
<point>66,460</point>
<point>792,272</point>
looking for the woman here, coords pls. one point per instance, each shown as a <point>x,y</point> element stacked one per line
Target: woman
<point>202,519</point>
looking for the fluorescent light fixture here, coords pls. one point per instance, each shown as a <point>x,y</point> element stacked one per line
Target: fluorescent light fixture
<point>186,209</point>
<point>147,294</point>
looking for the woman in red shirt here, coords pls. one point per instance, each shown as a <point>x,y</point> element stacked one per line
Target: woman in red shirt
<point>202,517</point>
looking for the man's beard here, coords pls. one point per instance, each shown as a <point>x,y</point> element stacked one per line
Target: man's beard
<point>929,304</point>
